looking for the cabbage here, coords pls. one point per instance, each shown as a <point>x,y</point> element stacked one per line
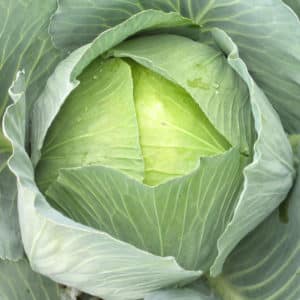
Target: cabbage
<point>149,150</point>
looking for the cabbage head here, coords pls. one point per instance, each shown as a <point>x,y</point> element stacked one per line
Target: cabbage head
<point>149,150</point>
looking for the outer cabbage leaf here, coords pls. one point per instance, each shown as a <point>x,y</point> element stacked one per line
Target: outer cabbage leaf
<point>10,239</point>
<point>269,25</point>
<point>24,44</point>
<point>166,220</point>
<point>266,264</point>
<point>19,282</point>
<point>258,198</point>
<point>108,267</point>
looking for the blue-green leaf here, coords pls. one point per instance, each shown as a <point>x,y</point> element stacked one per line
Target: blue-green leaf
<point>19,282</point>
<point>270,176</point>
<point>266,264</point>
<point>10,239</point>
<point>24,45</point>
<point>167,220</point>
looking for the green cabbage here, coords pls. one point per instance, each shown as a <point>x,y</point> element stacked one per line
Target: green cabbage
<point>149,150</point>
